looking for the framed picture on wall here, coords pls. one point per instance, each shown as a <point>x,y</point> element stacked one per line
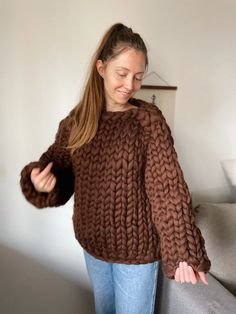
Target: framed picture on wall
<point>161,96</point>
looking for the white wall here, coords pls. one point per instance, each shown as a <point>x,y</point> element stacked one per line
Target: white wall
<point>196,51</point>
<point>45,51</point>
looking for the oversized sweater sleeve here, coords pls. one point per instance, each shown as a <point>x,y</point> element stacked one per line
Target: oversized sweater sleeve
<point>62,169</point>
<point>172,211</point>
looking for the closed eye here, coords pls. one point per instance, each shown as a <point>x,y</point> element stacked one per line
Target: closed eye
<point>124,75</point>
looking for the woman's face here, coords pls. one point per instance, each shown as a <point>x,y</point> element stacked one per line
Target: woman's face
<point>122,76</point>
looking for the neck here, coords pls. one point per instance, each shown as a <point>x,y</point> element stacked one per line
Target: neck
<point>118,107</point>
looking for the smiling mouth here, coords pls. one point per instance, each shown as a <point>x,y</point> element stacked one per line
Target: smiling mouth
<point>124,93</point>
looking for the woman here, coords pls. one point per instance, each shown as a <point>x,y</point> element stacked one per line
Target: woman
<point>132,206</point>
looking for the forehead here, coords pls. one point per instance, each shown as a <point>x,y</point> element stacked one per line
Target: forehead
<point>130,60</point>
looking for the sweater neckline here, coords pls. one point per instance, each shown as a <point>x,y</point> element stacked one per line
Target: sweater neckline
<point>123,113</point>
<point>119,111</point>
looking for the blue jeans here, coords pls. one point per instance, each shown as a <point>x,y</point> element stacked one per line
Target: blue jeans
<point>122,288</point>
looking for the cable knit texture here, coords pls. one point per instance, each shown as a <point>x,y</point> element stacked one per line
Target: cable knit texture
<point>131,202</point>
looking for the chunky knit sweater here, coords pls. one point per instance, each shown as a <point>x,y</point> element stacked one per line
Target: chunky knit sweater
<point>131,202</point>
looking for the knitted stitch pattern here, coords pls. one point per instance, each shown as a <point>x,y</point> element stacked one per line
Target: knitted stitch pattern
<point>131,202</point>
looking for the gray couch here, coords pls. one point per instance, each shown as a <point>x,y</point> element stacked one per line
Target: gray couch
<point>217,222</point>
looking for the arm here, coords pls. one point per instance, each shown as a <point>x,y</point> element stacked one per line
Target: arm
<point>172,211</point>
<point>62,169</point>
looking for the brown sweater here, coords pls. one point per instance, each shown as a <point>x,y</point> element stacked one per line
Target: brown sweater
<point>131,203</point>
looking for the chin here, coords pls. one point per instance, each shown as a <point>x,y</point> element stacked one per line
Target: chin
<point>121,101</point>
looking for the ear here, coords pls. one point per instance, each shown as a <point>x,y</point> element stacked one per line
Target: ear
<point>100,67</point>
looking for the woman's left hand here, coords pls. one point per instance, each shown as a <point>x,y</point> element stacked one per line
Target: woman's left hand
<point>185,273</point>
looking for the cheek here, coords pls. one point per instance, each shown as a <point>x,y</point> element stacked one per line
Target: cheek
<point>137,86</point>
<point>114,83</point>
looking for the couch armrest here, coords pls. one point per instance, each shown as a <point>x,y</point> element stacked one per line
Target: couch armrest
<point>174,297</point>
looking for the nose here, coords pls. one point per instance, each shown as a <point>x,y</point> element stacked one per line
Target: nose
<point>129,83</point>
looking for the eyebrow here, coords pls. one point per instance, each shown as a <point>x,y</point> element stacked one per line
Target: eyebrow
<point>123,68</point>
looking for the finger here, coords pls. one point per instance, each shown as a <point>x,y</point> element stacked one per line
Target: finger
<point>50,184</point>
<point>186,272</point>
<point>34,173</point>
<point>41,182</point>
<point>45,171</point>
<point>181,268</point>
<point>40,186</point>
<point>203,277</point>
<point>33,177</point>
<point>53,183</point>
<point>48,179</point>
<point>192,275</point>
<point>44,185</point>
<point>177,275</point>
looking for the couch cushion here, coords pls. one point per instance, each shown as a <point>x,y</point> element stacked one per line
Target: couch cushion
<point>217,222</point>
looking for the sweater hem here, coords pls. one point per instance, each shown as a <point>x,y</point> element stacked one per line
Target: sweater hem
<point>144,260</point>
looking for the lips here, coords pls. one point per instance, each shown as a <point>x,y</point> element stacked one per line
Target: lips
<point>124,93</point>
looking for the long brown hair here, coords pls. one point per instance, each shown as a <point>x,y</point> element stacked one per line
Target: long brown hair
<point>85,115</point>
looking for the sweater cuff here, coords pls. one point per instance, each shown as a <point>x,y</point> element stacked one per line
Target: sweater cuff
<point>169,270</point>
<point>38,199</point>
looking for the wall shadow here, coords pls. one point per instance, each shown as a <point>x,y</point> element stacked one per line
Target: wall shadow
<point>27,287</point>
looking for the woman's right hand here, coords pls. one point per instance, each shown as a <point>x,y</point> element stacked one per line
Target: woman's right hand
<point>43,181</point>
